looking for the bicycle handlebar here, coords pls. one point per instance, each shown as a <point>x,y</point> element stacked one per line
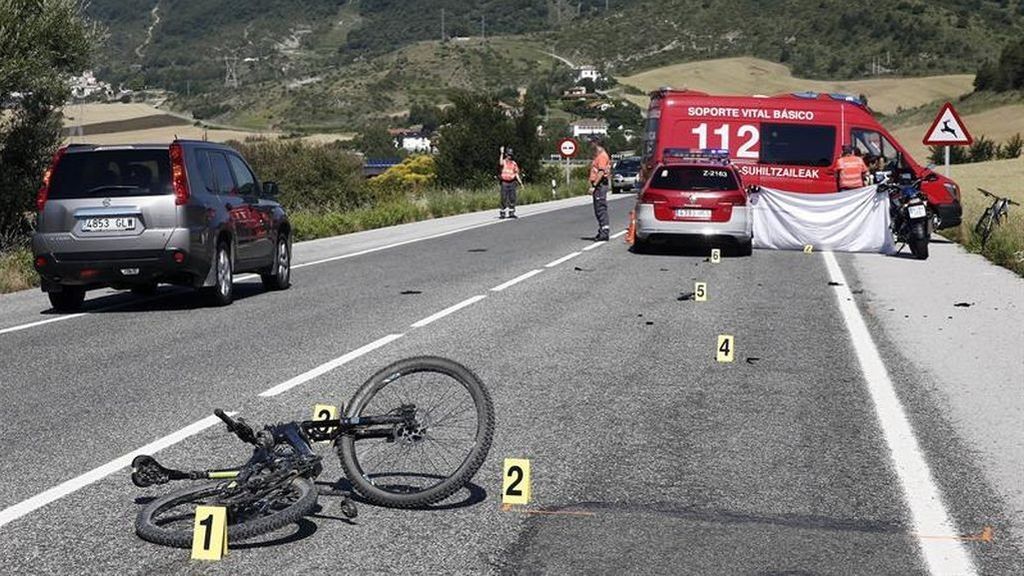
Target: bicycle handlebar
<point>991,195</point>
<point>237,427</point>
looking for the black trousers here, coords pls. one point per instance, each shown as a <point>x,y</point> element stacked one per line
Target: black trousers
<point>508,196</point>
<point>601,208</point>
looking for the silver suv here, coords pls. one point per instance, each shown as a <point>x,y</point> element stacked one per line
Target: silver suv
<point>190,213</point>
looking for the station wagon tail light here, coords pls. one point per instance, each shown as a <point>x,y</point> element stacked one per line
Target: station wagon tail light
<point>178,178</point>
<point>40,261</point>
<point>44,190</point>
<point>650,197</point>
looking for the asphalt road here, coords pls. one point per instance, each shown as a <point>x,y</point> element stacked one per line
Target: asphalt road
<point>659,458</point>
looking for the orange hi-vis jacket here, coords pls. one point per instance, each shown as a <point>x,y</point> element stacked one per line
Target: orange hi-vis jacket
<point>509,170</point>
<point>600,167</point>
<point>851,172</point>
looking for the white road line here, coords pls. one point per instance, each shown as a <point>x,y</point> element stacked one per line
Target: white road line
<point>562,259</point>
<point>449,310</point>
<point>395,245</point>
<point>617,235</point>
<point>328,366</point>
<point>594,245</point>
<point>928,513</point>
<point>12,513</point>
<point>516,280</point>
<point>42,322</point>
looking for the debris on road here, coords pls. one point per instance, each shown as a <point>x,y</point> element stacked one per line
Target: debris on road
<point>835,283</point>
<point>752,359</point>
<point>649,323</point>
<point>580,269</point>
<point>408,292</point>
<point>477,250</point>
<point>685,296</point>
<point>963,305</point>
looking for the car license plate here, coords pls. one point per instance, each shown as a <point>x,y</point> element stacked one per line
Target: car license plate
<point>693,213</point>
<point>917,211</point>
<point>108,224</point>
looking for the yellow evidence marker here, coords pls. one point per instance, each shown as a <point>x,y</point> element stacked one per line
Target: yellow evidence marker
<point>700,291</point>
<point>515,485</point>
<point>210,533</point>
<point>325,412</point>
<point>726,347</point>
<point>808,249</point>
<point>716,255</point>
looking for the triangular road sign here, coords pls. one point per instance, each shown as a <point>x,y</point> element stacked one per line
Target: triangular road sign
<point>948,129</point>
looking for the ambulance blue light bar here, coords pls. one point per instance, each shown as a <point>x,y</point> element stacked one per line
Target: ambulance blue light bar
<point>698,154</point>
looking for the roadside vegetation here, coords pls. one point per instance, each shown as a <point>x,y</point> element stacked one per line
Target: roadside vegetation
<point>1003,177</point>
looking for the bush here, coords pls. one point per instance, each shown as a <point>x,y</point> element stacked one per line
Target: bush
<point>982,150</point>
<point>309,175</point>
<point>1011,148</point>
<point>412,175</point>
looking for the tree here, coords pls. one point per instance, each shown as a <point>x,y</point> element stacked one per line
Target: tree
<point>376,142</point>
<point>42,42</point>
<point>473,130</point>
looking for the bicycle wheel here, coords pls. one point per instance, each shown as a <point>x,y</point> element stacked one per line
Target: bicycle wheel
<point>420,465</point>
<point>984,226</point>
<point>169,520</point>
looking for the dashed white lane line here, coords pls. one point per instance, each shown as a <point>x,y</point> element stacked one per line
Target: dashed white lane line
<point>516,280</point>
<point>562,259</point>
<point>449,310</point>
<point>927,511</point>
<point>59,491</point>
<point>328,366</point>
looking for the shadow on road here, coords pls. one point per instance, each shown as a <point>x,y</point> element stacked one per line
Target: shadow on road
<point>470,495</point>
<point>167,298</point>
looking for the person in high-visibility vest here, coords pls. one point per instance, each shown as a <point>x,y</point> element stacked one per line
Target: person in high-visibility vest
<point>509,177</point>
<point>850,170</point>
<point>600,172</point>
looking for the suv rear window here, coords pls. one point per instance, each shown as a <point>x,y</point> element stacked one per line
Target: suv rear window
<point>694,178</point>
<point>112,173</point>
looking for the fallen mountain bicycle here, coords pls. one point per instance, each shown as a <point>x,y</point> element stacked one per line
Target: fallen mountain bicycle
<point>993,216</point>
<point>414,434</point>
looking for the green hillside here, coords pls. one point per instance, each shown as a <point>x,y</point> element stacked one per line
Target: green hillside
<point>332,63</point>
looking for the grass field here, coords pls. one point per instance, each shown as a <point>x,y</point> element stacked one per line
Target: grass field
<point>747,75</point>
<point>1003,177</point>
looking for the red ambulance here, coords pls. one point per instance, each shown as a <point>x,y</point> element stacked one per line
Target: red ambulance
<point>788,142</point>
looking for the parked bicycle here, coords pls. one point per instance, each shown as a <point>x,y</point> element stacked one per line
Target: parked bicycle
<point>414,434</point>
<point>994,214</point>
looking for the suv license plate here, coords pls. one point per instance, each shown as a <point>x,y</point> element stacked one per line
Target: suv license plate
<point>130,271</point>
<point>917,211</point>
<point>693,213</point>
<point>108,224</point>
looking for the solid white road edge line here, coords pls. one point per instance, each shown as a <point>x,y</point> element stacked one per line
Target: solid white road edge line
<point>516,280</point>
<point>617,235</point>
<point>41,322</point>
<point>595,245</point>
<point>328,366</point>
<point>562,259</point>
<point>12,513</point>
<point>927,511</point>
<point>449,310</point>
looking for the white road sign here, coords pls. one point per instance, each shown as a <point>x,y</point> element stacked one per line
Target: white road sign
<point>948,129</point>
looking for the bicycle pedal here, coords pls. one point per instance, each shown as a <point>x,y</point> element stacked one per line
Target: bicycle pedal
<point>348,508</point>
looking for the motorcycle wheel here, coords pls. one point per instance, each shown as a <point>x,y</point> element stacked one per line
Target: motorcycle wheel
<point>919,241</point>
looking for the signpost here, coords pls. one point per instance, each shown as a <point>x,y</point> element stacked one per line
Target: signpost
<point>568,148</point>
<point>948,130</point>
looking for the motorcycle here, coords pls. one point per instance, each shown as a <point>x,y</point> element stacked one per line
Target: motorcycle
<point>911,215</point>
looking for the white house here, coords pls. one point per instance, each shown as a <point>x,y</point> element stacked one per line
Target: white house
<point>589,127</point>
<point>416,142</point>
<point>587,72</point>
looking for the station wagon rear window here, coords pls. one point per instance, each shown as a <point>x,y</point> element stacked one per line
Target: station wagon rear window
<point>797,144</point>
<point>112,174</point>
<point>694,178</point>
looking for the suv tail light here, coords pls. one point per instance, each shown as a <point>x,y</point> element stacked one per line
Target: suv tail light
<point>44,190</point>
<point>649,197</point>
<point>737,198</point>
<point>178,178</point>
